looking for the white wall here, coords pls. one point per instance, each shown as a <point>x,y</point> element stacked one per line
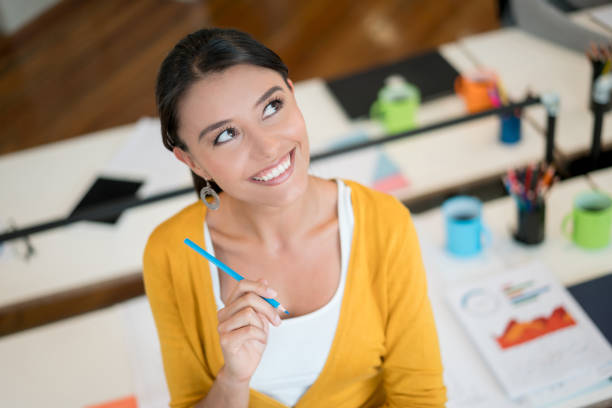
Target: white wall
<point>16,13</point>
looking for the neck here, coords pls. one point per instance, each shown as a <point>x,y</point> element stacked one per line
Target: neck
<point>275,227</point>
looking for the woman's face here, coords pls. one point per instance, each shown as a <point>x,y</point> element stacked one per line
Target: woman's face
<point>243,129</point>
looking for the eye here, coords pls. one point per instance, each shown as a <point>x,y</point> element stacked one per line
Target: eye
<point>272,107</point>
<point>225,136</point>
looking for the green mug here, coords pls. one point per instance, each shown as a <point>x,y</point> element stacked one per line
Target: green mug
<point>592,220</point>
<point>397,105</point>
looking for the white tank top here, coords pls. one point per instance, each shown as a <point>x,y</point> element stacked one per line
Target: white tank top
<point>297,350</point>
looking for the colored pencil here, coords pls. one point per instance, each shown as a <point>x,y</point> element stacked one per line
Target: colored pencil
<point>530,186</point>
<point>229,271</point>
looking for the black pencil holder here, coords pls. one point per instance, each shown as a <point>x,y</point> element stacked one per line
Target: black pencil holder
<point>531,223</point>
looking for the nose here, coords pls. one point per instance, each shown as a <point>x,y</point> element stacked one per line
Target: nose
<point>265,144</point>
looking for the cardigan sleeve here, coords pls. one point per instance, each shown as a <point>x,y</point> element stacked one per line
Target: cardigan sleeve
<point>187,379</point>
<point>412,367</point>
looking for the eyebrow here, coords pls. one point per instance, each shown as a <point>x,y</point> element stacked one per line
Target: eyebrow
<point>221,123</point>
<point>212,127</point>
<point>267,94</point>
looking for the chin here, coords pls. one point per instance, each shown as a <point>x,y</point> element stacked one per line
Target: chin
<point>287,194</point>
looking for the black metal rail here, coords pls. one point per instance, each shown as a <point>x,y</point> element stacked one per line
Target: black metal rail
<point>115,207</point>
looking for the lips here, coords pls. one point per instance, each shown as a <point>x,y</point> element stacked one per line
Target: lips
<point>278,172</point>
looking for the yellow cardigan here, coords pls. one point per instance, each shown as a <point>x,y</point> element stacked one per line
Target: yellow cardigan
<point>385,351</point>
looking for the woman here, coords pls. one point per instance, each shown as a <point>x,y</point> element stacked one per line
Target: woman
<point>342,259</point>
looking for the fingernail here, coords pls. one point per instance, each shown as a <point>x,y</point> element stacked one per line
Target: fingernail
<point>271,292</point>
<point>277,319</point>
<point>265,281</point>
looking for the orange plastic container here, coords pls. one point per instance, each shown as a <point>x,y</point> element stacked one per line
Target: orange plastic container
<point>474,89</point>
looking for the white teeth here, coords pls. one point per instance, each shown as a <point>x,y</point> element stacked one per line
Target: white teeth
<point>277,171</point>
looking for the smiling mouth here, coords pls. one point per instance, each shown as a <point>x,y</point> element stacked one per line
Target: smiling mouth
<point>278,173</point>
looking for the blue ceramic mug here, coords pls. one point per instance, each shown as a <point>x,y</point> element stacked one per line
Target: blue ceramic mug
<point>465,233</point>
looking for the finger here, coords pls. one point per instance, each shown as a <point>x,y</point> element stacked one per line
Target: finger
<point>244,317</point>
<point>259,287</point>
<point>254,301</point>
<point>266,324</point>
<point>232,341</point>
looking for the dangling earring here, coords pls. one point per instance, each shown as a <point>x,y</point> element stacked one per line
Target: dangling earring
<point>205,193</point>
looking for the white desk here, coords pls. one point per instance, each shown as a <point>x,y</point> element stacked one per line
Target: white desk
<point>569,263</point>
<point>451,157</point>
<point>525,62</point>
<point>73,363</point>
<point>602,179</point>
<point>91,359</point>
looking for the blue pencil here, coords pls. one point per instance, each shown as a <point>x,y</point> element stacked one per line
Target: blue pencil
<point>228,270</point>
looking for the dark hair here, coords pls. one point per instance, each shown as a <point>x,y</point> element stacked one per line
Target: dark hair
<point>199,53</point>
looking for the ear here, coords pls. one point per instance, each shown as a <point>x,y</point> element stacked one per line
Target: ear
<point>290,83</point>
<point>186,158</point>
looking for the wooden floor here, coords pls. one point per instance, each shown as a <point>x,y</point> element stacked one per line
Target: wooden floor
<point>87,65</point>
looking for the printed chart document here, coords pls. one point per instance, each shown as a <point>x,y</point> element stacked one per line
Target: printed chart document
<point>531,331</point>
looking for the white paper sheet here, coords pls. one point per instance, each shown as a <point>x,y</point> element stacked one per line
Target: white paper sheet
<point>143,157</point>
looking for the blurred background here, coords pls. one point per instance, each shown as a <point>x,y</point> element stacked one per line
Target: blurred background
<point>72,67</point>
<point>74,319</point>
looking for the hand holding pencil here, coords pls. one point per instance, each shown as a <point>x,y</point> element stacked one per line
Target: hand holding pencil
<point>243,322</point>
<point>244,327</point>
